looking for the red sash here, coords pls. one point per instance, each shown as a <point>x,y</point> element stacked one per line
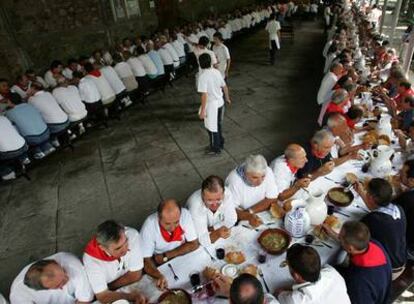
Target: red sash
<point>93,249</point>
<point>175,236</point>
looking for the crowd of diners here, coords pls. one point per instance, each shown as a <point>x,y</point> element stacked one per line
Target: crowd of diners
<point>378,246</point>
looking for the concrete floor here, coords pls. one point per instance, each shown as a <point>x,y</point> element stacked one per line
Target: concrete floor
<point>156,151</point>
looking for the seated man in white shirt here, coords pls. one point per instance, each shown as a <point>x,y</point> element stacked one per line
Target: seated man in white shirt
<point>70,101</point>
<point>313,284</point>
<point>139,72</point>
<point>113,259</point>
<point>122,98</point>
<point>2,299</point>
<point>59,278</point>
<point>124,72</point>
<point>22,86</point>
<point>12,147</point>
<point>285,167</point>
<point>91,97</point>
<point>253,187</point>
<point>54,73</point>
<point>168,233</point>
<point>148,64</point>
<point>168,46</point>
<point>212,208</point>
<point>56,119</point>
<point>73,66</point>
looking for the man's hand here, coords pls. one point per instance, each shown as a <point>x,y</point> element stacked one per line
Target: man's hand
<point>158,258</point>
<point>303,182</point>
<point>228,100</point>
<point>254,220</point>
<point>202,114</point>
<point>221,285</point>
<point>278,291</point>
<point>138,298</point>
<point>224,232</point>
<point>359,188</point>
<point>162,282</point>
<point>327,167</point>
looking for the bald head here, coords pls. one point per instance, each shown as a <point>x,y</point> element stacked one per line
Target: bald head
<point>169,212</point>
<point>296,155</point>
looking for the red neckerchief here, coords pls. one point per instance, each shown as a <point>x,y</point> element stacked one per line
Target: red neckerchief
<point>334,108</point>
<point>293,169</point>
<point>373,257</point>
<point>95,73</point>
<point>93,249</point>
<point>349,122</point>
<point>175,236</point>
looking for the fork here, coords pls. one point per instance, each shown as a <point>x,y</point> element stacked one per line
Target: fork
<point>212,258</point>
<point>176,278</point>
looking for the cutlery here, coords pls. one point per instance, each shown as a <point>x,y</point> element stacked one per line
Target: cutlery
<point>362,208</point>
<point>332,180</point>
<point>326,244</point>
<point>264,281</point>
<point>342,213</point>
<point>211,256</point>
<point>245,226</point>
<point>173,272</point>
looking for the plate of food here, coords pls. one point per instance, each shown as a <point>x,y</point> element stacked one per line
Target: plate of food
<point>276,211</point>
<point>175,296</point>
<point>250,269</point>
<point>210,273</point>
<point>235,257</point>
<point>340,197</point>
<point>230,270</point>
<point>331,221</point>
<point>274,241</point>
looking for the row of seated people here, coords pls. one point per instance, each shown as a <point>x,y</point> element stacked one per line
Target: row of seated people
<point>36,112</point>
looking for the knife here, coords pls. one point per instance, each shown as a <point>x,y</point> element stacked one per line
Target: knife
<point>264,281</point>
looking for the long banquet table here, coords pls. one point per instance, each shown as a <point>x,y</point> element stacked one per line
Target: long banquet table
<point>244,238</point>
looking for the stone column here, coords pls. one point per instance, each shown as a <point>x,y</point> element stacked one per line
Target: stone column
<point>384,12</point>
<point>409,54</point>
<point>395,18</point>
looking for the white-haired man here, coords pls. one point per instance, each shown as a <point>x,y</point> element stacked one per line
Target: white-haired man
<point>285,168</point>
<point>212,210</point>
<point>253,187</point>
<point>320,160</point>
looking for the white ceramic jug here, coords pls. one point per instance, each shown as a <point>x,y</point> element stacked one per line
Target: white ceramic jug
<point>297,220</point>
<point>384,126</point>
<point>380,164</point>
<point>316,207</point>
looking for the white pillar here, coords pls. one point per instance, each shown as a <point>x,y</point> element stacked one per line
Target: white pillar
<point>409,54</point>
<point>384,12</point>
<point>395,19</point>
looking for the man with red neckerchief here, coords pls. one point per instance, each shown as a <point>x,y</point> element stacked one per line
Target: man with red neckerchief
<point>168,233</point>
<point>285,168</point>
<point>113,260</point>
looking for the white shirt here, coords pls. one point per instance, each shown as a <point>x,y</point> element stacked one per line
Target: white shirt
<point>137,67</point>
<point>165,56</point>
<point>149,66</point>
<point>211,82</point>
<point>179,47</point>
<point>76,289</point>
<point>2,299</point>
<point>222,53</point>
<point>10,139</point>
<point>103,87</point>
<point>173,53</point>
<point>325,89</point>
<point>199,51</point>
<point>70,101</point>
<point>272,27</point>
<point>246,196</point>
<point>113,79</point>
<point>48,107</point>
<point>204,218</point>
<point>101,273</point>
<point>123,70</point>
<point>50,80</point>
<point>155,243</point>
<point>284,177</point>
<point>330,288</point>
<point>22,93</point>
<point>88,90</point>
<point>68,73</point>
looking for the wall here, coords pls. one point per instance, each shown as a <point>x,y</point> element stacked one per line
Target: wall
<point>34,32</point>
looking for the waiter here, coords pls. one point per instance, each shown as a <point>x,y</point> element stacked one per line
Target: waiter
<point>211,85</point>
<point>273,28</point>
